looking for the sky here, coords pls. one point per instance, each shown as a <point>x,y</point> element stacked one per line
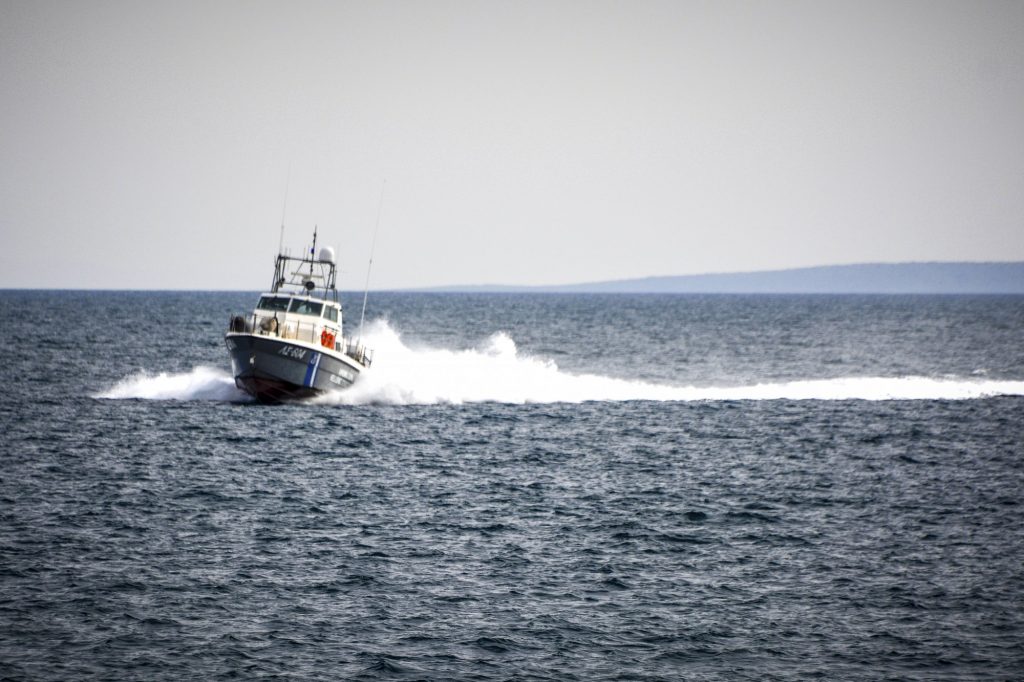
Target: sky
<point>159,145</point>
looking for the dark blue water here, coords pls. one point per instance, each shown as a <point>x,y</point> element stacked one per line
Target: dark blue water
<point>524,487</point>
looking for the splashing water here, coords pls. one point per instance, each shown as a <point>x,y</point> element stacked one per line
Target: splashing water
<point>202,383</point>
<point>492,372</point>
<point>495,371</point>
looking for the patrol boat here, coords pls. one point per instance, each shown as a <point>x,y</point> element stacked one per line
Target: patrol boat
<point>292,346</point>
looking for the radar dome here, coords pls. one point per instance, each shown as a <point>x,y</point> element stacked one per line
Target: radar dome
<point>327,254</point>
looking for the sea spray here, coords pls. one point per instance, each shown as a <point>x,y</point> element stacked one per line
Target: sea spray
<point>200,383</point>
<point>496,371</point>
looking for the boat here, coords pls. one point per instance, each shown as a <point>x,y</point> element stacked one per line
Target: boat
<point>292,347</point>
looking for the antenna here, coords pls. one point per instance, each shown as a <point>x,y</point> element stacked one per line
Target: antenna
<point>287,182</point>
<point>373,245</point>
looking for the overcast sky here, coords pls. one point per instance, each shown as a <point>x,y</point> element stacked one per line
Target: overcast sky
<point>149,144</point>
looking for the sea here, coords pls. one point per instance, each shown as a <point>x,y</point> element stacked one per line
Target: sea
<point>521,487</point>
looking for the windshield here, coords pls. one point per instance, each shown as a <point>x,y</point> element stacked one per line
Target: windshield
<point>300,307</point>
<point>273,303</point>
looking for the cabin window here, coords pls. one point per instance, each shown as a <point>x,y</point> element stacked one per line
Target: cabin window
<point>331,313</point>
<point>300,307</point>
<point>273,303</point>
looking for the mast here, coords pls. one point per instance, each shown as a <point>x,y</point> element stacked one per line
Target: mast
<point>312,254</point>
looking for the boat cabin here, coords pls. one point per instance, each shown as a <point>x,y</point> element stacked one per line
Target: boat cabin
<point>302,318</point>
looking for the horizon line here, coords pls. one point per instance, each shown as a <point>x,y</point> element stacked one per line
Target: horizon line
<point>559,288</point>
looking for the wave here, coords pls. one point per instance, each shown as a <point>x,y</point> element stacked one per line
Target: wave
<point>495,371</point>
<point>201,383</point>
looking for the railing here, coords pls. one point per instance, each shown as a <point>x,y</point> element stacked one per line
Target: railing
<point>357,352</point>
<point>297,330</point>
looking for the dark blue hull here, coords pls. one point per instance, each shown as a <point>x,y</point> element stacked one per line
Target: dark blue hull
<point>275,370</point>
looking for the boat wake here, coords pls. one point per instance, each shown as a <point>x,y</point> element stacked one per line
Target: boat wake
<point>495,371</point>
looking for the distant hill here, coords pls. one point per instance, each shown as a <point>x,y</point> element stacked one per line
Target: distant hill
<point>868,278</point>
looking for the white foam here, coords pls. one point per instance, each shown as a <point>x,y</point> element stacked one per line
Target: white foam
<point>202,383</point>
<point>495,371</point>
<point>868,388</point>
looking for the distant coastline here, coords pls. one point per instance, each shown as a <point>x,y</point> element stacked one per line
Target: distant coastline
<point>864,278</point>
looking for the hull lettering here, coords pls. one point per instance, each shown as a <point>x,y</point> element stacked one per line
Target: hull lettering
<point>292,352</point>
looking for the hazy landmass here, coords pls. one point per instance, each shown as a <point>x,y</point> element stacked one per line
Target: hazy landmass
<point>866,278</point>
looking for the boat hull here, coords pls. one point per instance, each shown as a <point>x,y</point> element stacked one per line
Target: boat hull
<point>275,370</point>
